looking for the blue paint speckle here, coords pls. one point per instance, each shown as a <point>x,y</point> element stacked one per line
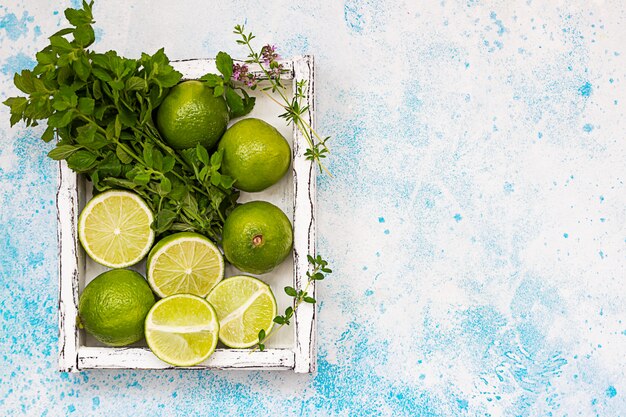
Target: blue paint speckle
<point>458,217</point>
<point>508,187</point>
<point>585,89</point>
<point>498,22</point>
<point>15,27</point>
<point>95,403</point>
<point>368,293</point>
<point>386,231</point>
<point>565,235</point>
<point>17,63</point>
<point>381,220</point>
<point>611,391</point>
<point>539,135</point>
<point>588,127</point>
<point>463,404</point>
<point>354,19</point>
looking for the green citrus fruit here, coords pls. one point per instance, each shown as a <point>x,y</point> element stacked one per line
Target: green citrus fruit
<point>256,155</point>
<point>114,228</point>
<point>191,114</point>
<point>257,236</point>
<point>182,330</point>
<point>184,263</point>
<point>114,305</point>
<point>244,305</point>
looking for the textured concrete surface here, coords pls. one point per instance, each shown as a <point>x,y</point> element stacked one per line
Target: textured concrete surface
<point>475,223</point>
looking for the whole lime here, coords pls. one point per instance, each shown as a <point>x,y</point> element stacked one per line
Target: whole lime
<point>257,236</point>
<point>256,155</point>
<point>114,305</point>
<point>191,114</point>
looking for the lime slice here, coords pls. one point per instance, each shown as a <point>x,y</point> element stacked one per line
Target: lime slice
<point>184,263</point>
<point>244,305</point>
<point>182,330</point>
<point>114,228</point>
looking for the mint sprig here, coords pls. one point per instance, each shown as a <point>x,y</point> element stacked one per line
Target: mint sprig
<point>101,106</point>
<point>319,271</point>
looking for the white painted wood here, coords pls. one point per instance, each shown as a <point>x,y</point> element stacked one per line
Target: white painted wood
<point>304,174</point>
<point>143,358</point>
<point>289,349</point>
<point>67,217</point>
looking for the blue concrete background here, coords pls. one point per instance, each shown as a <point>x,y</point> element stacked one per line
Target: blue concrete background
<point>476,221</point>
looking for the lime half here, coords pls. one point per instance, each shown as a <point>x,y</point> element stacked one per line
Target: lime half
<point>114,228</point>
<point>244,306</point>
<point>182,330</point>
<point>184,263</point>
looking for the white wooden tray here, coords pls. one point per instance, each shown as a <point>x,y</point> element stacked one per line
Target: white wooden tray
<point>293,348</point>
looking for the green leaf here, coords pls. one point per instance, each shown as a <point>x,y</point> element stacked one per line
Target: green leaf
<point>120,182</point>
<point>62,32</point>
<point>165,185</point>
<point>235,103</point>
<point>102,74</point>
<point>169,79</point>
<point>124,157</point>
<point>216,158</point>
<point>118,126</point>
<point>261,335</point>
<point>82,68</point>
<point>212,80</point>
<point>290,291</point>
<point>61,44</point>
<point>48,134</point>
<point>288,312</point>
<point>261,347</point>
<point>61,118</point>
<point>218,90</point>
<point>142,179</point>
<point>62,152</point>
<point>136,83</point>
<point>310,300</point>
<point>110,165</point>
<point>147,155</point>
<point>24,81</point>
<point>84,35</point>
<point>86,105</point>
<point>81,161</point>
<point>203,154</point>
<point>164,220</point>
<point>46,57</point>
<point>157,158</point>
<point>318,276</point>
<point>224,64</point>
<point>168,164</point>
<point>77,17</point>
<point>279,320</point>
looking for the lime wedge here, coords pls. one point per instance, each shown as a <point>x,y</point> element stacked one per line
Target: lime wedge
<point>182,330</point>
<point>114,228</point>
<point>244,306</point>
<point>184,263</point>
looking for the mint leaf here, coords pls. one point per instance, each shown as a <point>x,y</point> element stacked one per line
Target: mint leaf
<point>224,64</point>
<point>62,152</point>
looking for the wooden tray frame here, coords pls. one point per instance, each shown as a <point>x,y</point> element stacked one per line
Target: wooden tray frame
<point>74,356</point>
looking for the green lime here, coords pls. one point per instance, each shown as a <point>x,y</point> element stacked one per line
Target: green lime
<point>244,305</point>
<point>184,263</point>
<point>257,236</point>
<point>182,330</point>
<point>191,114</point>
<point>114,305</point>
<point>256,155</point>
<point>114,228</point>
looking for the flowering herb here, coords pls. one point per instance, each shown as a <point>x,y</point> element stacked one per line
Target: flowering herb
<point>101,106</point>
<point>267,61</point>
<point>319,270</point>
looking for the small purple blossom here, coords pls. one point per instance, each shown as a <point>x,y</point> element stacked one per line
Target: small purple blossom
<point>268,54</point>
<point>241,74</point>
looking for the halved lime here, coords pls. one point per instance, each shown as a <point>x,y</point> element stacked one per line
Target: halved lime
<point>184,263</point>
<point>114,228</point>
<point>244,306</point>
<point>182,330</point>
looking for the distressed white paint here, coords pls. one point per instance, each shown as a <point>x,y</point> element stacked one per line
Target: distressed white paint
<point>77,351</point>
